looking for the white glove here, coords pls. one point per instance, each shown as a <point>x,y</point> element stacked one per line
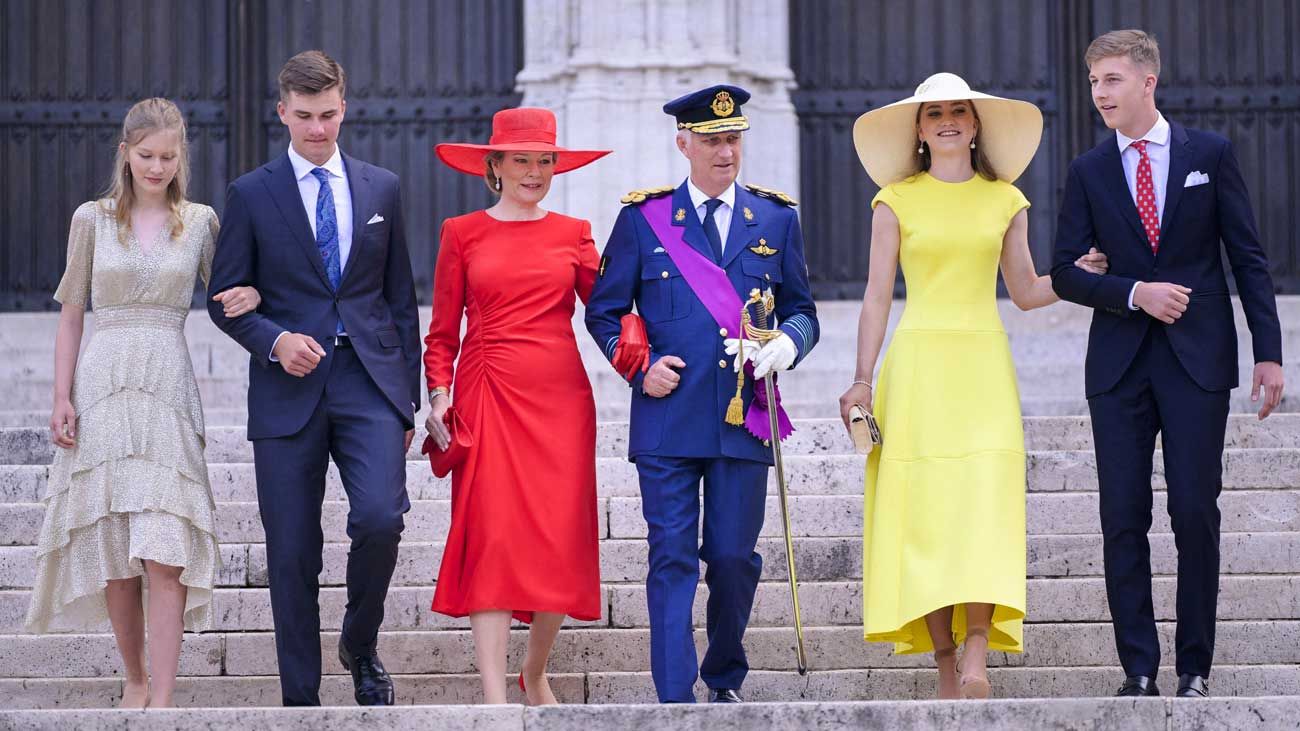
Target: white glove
<point>777,355</point>
<point>732,347</point>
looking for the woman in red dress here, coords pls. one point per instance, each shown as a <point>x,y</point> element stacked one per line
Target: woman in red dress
<point>523,536</point>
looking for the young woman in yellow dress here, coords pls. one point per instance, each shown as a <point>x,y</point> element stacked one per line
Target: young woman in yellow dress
<point>944,513</point>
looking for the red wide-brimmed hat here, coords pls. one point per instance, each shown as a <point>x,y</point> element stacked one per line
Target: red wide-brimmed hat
<point>524,129</point>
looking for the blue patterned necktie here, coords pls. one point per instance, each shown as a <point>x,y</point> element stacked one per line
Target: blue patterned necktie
<point>711,228</point>
<point>327,228</point>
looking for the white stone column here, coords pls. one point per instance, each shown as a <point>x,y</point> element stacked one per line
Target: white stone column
<point>606,68</point>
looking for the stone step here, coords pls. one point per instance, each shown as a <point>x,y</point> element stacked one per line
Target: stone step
<point>1154,714</point>
<point>820,373</point>
<point>829,603</point>
<point>1272,642</point>
<point>30,444</point>
<point>1246,511</point>
<point>818,559</point>
<point>1046,471</point>
<point>1071,686</point>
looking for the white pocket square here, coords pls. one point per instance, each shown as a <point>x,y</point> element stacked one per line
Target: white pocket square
<point>380,219</point>
<point>1196,177</point>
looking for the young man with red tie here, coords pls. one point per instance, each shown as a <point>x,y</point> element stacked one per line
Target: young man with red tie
<point>1158,198</point>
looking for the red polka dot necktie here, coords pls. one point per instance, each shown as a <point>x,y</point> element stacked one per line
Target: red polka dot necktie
<point>1146,196</point>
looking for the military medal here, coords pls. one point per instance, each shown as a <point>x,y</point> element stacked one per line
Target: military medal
<point>749,215</point>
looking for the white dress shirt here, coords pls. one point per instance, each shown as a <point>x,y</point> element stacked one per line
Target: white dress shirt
<point>1158,153</point>
<point>309,188</point>
<point>722,216</point>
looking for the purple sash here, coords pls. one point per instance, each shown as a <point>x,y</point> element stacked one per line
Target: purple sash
<point>710,284</point>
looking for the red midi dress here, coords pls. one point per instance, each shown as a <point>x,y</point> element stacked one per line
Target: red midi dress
<point>523,533</point>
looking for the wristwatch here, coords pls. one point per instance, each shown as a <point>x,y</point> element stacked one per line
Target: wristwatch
<point>433,392</point>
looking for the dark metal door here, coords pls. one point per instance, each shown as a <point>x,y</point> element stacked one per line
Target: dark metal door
<point>1228,67</point>
<point>419,72</point>
<point>70,72</point>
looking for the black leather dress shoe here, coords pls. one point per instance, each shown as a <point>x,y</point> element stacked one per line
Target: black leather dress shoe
<point>370,682</point>
<point>1138,685</point>
<point>723,695</point>
<point>1192,686</point>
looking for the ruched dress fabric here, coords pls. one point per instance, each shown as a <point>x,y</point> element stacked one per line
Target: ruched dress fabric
<point>523,534</point>
<point>944,512</point>
<point>135,486</point>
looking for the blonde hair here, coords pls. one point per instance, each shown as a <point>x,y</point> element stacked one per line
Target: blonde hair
<point>978,160</point>
<point>143,119</point>
<point>1140,47</point>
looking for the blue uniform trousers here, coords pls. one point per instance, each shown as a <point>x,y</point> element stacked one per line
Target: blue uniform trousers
<point>735,494</point>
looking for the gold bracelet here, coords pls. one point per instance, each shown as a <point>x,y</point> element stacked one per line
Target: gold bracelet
<point>433,392</point>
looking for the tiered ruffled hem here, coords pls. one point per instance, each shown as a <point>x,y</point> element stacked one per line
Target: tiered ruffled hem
<point>135,488</point>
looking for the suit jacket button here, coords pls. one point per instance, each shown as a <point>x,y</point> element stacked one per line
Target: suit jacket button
<point>722,332</point>
<point>664,275</point>
<point>767,277</point>
<point>722,364</point>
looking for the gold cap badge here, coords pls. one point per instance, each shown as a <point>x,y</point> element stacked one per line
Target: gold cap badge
<point>722,104</point>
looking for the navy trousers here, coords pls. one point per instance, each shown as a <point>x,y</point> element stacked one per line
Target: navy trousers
<point>735,493</point>
<point>1155,396</point>
<point>356,425</point>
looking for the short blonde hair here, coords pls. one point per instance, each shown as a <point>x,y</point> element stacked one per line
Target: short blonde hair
<point>1140,47</point>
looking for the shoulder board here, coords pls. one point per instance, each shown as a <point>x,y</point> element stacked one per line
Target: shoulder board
<point>641,195</point>
<point>770,194</point>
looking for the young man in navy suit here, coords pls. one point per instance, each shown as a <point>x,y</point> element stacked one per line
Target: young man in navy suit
<point>334,372</point>
<point>1158,198</point>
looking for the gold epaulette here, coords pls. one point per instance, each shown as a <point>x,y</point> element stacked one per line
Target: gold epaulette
<point>770,194</point>
<point>644,194</point>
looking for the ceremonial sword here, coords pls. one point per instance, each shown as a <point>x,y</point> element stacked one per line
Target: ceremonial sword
<point>765,304</point>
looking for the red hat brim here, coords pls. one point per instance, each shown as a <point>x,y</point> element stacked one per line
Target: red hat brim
<point>468,158</point>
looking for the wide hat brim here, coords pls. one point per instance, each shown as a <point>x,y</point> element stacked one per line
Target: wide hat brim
<point>1009,131</point>
<point>469,159</point>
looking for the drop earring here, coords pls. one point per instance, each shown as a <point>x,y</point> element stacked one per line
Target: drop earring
<point>972,144</point>
<point>920,150</point>
<point>498,185</point>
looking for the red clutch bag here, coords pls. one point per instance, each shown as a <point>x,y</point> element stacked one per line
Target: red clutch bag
<point>462,440</point>
<point>632,353</point>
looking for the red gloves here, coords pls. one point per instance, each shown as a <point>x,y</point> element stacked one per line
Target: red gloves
<point>632,353</point>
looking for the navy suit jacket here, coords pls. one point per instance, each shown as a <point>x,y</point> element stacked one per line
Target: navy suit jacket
<point>635,269</point>
<point>1098,210</point>
<point>266,242</point>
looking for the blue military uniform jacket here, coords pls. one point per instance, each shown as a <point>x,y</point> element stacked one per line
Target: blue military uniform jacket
<point>635,269</point>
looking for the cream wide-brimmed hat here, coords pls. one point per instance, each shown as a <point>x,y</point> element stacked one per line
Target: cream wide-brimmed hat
<point>886,140</point>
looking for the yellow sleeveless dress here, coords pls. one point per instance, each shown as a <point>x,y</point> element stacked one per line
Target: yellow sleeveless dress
<point>944,512</point>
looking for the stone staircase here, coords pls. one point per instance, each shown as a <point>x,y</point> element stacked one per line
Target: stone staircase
<point>1069,648</point>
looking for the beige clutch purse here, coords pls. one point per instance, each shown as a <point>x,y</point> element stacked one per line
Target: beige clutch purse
<point>863,429</point>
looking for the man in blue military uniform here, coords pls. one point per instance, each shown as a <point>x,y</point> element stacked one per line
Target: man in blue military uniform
<point>676,259</point>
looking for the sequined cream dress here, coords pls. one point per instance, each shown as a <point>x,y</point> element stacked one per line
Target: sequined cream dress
<point>135,486</point>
